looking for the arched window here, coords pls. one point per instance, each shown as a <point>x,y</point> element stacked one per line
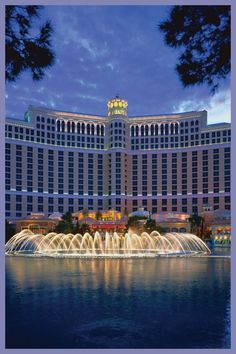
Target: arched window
<point>63,126</point>
<point>88,129</point>
<point>132,130</point>
<point>137,130</point>
<point>142,130</point>
<point>176,128</point>
<point>98,129</point>
<point>166,129</point>
<point>196,122</point>
<point>172,129</point>
<point>78,127</point>
<point>152,129</point>
<point>92,129</point>
<point>146,129</point>
<point>58,126</point>
<point>68,127</point>
<point>72,127</point>
<point>102,130</point>
<point>83,127</point>
<point>156,129</point>
<point>162,129</point>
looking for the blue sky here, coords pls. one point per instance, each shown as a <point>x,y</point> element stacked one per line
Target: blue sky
<point>105,50</point>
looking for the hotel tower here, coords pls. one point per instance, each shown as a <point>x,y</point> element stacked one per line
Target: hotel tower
<point>63,161</point>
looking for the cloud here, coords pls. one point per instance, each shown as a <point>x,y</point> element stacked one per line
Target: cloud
<point>87,84</point>
<point>217,106</point>
<point>102,50</point>
<point>111,65</point>
<point>89,97</point>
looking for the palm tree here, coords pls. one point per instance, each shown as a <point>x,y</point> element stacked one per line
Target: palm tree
<point>196,224</point>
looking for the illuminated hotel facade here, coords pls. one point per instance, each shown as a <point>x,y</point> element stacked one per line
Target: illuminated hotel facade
<point>61,161</point>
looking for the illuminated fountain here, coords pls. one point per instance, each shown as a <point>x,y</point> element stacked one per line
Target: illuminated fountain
<point>111,245</point>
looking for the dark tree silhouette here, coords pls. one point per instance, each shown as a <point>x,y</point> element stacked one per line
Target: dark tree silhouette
<point>9,230</point>
<point>151,225</point>
<point>66,224</point>
<point>203,34</point>
<point>25,49</point>
<point>196,224</point>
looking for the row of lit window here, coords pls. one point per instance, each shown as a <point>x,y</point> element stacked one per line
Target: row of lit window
<point>80,128</point>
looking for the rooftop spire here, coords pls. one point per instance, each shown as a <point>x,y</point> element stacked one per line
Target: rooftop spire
<point>117,106</point>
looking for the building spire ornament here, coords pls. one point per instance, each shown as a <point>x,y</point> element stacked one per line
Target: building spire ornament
<point>117,107</point>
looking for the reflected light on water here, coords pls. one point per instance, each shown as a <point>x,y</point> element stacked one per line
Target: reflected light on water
<point>118,303</point>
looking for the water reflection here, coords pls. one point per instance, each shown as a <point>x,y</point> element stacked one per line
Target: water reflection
<point>148,299</point>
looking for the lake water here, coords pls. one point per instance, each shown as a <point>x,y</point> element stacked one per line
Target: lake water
<point>118,303</point>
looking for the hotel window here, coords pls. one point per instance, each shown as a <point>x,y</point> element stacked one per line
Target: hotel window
<point>174,203</point>
<point>227,203</point>
<point>80,203</point>
<point>29,208</point>
<point>50,208</point>
<point>90,204</point>
<point>18,199</point>
<point>40,208</point>
<point>50,200</point>
<point>100,202</point>
<point>154,202</point>
<point>18,207</point>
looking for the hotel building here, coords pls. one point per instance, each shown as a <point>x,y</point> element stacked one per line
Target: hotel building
<point>62,161</point>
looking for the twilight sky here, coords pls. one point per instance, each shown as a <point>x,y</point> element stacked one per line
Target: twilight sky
<point>105,50</point>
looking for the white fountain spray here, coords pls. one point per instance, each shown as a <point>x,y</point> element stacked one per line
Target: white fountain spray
<point>112,245</point>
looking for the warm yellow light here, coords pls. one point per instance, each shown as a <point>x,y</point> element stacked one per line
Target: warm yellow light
<point>120,104</point>
<point>115,104</point>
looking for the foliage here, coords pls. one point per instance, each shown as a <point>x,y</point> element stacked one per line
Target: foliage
<point>203,32</point>
<point>207,234</point>
<point>151,225</point>
<point>9,231</point>
<point>98,215</point>
<point>196,224</point>
<point>82,228</point>
<point>85,213</point>
<point>137,224</point>
<point>66,225</point>
<point>134,224</point>
<point>126,213</point>
<point>25,49</point>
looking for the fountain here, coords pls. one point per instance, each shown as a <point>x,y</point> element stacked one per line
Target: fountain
<point>109,245</point>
